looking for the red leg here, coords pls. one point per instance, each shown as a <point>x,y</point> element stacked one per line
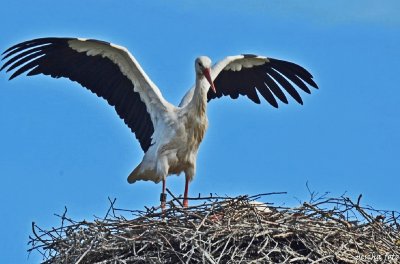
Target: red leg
<point>185,195</point>
<point>163,196</point>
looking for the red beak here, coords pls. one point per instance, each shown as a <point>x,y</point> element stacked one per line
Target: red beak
<point>207,74</point>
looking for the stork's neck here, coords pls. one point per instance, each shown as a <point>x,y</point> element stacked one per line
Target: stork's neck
<point>198,104</point>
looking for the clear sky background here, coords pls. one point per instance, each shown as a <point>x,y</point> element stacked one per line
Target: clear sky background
<point>60,145</point>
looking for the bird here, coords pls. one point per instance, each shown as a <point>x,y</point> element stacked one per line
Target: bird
<point>169,135</point>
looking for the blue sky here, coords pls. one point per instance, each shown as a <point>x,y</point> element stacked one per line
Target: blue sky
<point>62,146</point>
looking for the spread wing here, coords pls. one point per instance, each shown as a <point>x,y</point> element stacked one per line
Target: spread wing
<point>251,75</point>
<point>107,70</point>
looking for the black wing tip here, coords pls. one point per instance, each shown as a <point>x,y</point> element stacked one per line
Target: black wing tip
<point>36,42</point>
<point>299,100</point>
<point>24,52</point>
<point>314,84</point>
<point>13,76</point>
<point>300,71</point>
<point>285,102</point>
<point>41,41</point>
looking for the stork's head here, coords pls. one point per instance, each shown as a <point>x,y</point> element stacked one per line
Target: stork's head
<point>203,66</point>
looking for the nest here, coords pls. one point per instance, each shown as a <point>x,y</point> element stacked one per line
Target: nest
<point>227,230</point>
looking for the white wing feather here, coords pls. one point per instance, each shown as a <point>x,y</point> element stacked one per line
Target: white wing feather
<point>156,105</point>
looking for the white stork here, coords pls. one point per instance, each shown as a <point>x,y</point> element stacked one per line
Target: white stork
<point>169,135</point>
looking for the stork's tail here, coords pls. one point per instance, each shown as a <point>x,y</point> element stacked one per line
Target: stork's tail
<point>133,177</point>
<point>140,174</point>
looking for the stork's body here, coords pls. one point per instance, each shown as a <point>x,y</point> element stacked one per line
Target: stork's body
<point>169,135</point>
<point>177,143</point>
<point>175,151</point>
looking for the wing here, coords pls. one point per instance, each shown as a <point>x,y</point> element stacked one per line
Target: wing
<point>107,70</point>
<point>247,74</point>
